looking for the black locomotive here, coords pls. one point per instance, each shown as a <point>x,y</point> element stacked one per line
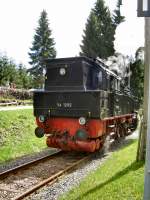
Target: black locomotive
<point>81,104</point>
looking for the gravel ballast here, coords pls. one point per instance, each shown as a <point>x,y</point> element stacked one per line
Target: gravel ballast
<point>25,159</point>
<point>73,179</point>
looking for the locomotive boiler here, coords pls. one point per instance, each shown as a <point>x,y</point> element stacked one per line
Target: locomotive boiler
<point>82,102</point>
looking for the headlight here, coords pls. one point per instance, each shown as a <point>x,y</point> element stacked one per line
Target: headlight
<point>62,71</point>
<point>82,121</point>
<point>41,118</point>
<point>134,116</point>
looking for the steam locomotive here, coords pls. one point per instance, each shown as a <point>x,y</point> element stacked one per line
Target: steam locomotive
<point>81,104</point>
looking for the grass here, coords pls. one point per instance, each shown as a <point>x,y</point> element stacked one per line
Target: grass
<point>119,178</point>
<point>17,134</point>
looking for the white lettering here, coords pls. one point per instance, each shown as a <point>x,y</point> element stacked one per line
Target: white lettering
<point>65,105</point>
<point>59,105</point>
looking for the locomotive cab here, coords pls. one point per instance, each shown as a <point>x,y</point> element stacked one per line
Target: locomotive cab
<point>79,73</point>
<point>62,75</point>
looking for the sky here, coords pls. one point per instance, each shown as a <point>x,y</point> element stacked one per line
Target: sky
<point>67,18</point>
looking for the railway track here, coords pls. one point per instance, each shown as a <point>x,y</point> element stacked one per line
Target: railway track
<point>6,173</point>
<point>21,181</point>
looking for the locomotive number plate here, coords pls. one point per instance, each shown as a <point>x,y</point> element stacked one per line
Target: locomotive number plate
<point>64,105</point>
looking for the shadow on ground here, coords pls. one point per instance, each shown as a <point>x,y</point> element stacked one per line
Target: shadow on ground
<point>121,144</point>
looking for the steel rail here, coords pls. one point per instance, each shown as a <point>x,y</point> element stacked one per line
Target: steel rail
<point>27,164</point>
<point>51,180</point>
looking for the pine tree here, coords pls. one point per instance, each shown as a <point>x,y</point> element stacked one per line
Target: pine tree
<point>99,33</point>
<point>117,17</point>
<point>42,48</point>
<point>8,71</point>
<point>89,47</point>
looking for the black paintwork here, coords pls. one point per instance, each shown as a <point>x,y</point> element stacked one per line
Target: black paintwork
<point>87,89</point>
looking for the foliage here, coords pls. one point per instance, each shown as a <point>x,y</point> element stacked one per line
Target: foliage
<point>137,74</point>
<point>12,75</point>
<point>17,134</point>
<point>24,80</point>
<point>117,17</point>
<point>42,48</point>
<point>118,178</point>
<point>89,46</point>
<point>99,33</point>
<point>98,38</point>
<point>7,71</point>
